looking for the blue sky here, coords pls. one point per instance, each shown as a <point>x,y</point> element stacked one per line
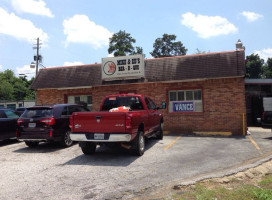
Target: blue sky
<point>77,31</point>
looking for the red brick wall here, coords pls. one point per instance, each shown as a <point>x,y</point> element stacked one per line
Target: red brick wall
<point>223,103</point>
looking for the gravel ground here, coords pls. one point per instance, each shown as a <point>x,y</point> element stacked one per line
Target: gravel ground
<point>50,172</point>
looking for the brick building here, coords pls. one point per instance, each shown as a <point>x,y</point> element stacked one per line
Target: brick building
<point>212,83</point>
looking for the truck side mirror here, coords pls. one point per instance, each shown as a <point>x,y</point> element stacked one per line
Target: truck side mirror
<point>163,105</point>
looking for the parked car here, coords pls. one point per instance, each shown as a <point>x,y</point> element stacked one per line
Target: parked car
<point>20,110</point>
<point>125,119</point>
<point>47,123</point>
<point>266,120</point>
<point>8,119</point>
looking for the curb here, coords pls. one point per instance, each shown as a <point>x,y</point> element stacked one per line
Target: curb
<point>213,133</point>
<point>222,174</point>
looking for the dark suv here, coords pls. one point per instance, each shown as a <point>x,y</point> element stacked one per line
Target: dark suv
<point>8,119</point>
<point>47,123</point>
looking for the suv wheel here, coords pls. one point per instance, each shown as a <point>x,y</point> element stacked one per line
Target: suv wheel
<point>66,140</point>
<point>138,144</point>
<point>31,144</point>
<point>88,148</point>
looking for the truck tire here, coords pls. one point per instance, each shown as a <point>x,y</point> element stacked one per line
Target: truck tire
<point>138,144</point>
<point>160,132</point>
<point>87,148</point>
<point>66,140</point>
<point>31,144</point>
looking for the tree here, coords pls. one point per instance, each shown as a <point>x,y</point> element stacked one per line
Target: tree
<point>254,66</point>
<point>121,44</point>
<point>138,50</point>
<point>14,88</point>
<point>6,91</point>
<point>166,47</point>
<point>198,51</point>
<point>267,69</point>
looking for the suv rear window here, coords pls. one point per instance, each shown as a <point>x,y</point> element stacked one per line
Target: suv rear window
<point>37,112</point>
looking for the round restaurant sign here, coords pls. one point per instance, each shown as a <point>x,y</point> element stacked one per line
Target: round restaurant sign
<point>109,68</point>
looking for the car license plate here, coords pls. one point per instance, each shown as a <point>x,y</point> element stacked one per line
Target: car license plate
<point>32,125</point>
<point>99,136</point>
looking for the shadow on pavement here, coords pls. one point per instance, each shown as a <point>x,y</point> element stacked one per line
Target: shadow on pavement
<point>107,156</point>
<point>43,147</point>
<point>8,142</point>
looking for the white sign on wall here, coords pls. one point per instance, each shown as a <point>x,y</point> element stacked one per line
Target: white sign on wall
<point>122,67</point>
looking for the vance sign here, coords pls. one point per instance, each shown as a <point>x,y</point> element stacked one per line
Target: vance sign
<point>122,67</point>
<point>183,106</point>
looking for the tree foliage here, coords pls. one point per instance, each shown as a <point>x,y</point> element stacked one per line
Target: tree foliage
<point>121,44</point>
<point>14,88</point>
<point>198,51</point>
<point>254,66</point>
<point>267,69</point>
<point>166,47</point>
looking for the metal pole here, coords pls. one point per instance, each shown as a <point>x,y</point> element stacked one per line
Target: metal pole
<point>37,57</point>
<point>37,67</point>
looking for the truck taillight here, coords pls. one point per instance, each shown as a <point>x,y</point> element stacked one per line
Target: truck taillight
<point>19,121</point>
<point>128,122</point>
<point>71,122</point>
<point>49,121</point>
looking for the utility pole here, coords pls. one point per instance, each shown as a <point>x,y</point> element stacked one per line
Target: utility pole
<point>38,57</point>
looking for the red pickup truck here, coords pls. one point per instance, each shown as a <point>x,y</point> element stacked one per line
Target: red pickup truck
<point>126,119</point>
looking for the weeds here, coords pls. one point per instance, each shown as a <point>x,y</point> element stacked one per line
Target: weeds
<point>235,190</point>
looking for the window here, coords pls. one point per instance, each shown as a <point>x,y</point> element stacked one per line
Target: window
<point>40,112</point>
<point>11,106</point>
<point>11,114</point>
<point>85,100</point>
<point>185,101</point>
<point>77,99</point>
<point>114,102</point>
<point>65,111</point>
<point>153,105</point>
<point>2,114</point>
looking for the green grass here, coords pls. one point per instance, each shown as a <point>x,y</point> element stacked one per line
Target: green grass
<point>235,190</point>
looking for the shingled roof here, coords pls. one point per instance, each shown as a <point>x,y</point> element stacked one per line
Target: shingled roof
<point>198,66</point>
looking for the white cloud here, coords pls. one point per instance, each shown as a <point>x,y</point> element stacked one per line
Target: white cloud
<point>72,63</point>
<point>26,70</point>
<point>264,53</point>
<point>110,55</point>
<point>32,6</point>
<point>22,29</point>
<point>208,26</point>
<point>80,29</point>
<point>1,68</point>
<point>251,16</point>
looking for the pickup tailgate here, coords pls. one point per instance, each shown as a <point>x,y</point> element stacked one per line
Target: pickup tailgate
<point>99,122</point>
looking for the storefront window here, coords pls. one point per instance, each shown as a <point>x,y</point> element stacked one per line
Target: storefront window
<point>11,106</point>
<point>77,99</point>
<point>185,101</point>
<point>81,99</point>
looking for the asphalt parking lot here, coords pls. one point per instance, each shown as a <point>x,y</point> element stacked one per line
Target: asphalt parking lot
<point>50,172</point>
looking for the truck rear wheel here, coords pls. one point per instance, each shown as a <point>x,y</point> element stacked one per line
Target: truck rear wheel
<point>138,144</point>
<point>87,148</point>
